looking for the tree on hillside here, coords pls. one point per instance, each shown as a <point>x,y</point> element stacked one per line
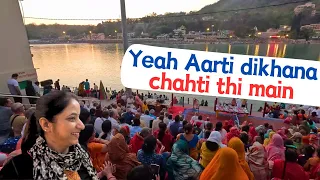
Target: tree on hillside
<point>72,32</point>
<point>138,31</point>
<point>99,28</point>
<point>90,28</point>
<point>306,33</point>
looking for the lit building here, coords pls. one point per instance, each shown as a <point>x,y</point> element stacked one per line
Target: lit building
<point>93,36</point>
<point>285,28</point>
<point>130,35</point>
<point>182,30</point>
<point>314,27</point>
<point>270,32</point>
<point>163,36</point>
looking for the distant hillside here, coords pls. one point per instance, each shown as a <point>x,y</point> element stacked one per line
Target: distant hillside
<point>263,18</point>
<point>237,4</point>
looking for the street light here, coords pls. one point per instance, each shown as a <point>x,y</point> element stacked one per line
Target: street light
<point>63,32</point>
<point>90,32</point>
<point>208,29</point>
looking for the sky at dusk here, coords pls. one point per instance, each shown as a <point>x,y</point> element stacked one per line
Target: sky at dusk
<point>100,9</point>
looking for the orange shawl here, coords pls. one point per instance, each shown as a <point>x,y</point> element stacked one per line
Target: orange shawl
<point>224,165</point>
<point>236,144</point>
<point>119,155</point>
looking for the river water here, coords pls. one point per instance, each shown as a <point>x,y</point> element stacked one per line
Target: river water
<point>73,63</point>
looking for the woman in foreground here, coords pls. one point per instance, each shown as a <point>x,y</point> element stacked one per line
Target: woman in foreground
<point>56,153</point>
<point>224,165</point>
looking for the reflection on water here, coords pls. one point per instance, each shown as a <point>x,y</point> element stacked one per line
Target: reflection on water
<point>72,63</point>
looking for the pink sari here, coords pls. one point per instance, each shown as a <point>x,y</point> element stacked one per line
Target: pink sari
<point>275,150</point>
<point>257,159</point>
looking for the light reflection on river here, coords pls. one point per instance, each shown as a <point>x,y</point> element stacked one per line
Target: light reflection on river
<point>73,63</point>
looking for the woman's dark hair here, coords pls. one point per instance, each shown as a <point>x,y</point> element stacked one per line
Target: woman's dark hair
<point>177,118</point>
<point>200,117</point>
<point>291,155</point>
<point>161,118</point>
<point>184,123</point>
<point>3,101</point>
<point>218,126</point>
<point>149,145</point>
<point>212,146</point>
<point>245,128</point>
<point>84,115</point>
<point>318,152</point>
<point>52,104</point>
<point>288,142</point>
<point>170,116</point>
<point>261,134</point>
<point>136,122</point>
<point>92,111</point>
<point>140,171</point>
<point>188,128</point>
<point>85,135</point>
<point>244,138</point>
<point>106,128</point>
<point>122,120</point>
<point>105,113</point>
<point>207,134</point>
<point>309,151</point>
<point>162,130</point>
<point>209,126</point>
<point>30,134</point>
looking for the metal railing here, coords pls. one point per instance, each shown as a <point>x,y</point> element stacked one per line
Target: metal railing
<point>37,97</point>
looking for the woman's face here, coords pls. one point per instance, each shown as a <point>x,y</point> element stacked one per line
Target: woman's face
<point>67,125</point>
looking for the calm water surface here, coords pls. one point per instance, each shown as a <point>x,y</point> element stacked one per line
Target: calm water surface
<point>73,63</point>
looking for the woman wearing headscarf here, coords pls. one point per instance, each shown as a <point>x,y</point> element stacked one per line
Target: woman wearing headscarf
<point>224,162</point>
<point>314,140</point>
<point>288,168</point>
<point>252,134</point>
<point>96,150</point>
<point>234,132</point>
<point>236,144</point>
<point>210,147</point>
<point>125,131</point>
<point>119,155</point>
<point>297,140</point>
<point>305,126</point>
<point>81,91</point>
<point>180,166</point>
<point>282,133</point>
<point>257,160</point>
<point>268,137</point>
<point>57,147</point>
<point>275,150</point>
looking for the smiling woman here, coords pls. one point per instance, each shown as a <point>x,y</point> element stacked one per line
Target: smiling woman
<point>58,115</point>
<point>56,153</point>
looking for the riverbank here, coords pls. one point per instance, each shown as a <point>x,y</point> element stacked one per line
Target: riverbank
<point>167,41</point>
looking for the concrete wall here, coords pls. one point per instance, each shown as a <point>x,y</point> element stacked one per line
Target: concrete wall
<point>15,55</point>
